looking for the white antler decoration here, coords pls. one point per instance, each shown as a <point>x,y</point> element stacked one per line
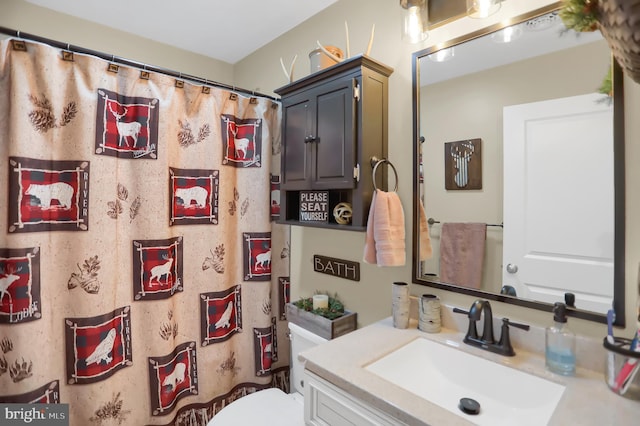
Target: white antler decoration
<point>346,29</point>
<point>329,54</point>
<point>373,29</point>
<point>289,73</point>
<point>346,33</point>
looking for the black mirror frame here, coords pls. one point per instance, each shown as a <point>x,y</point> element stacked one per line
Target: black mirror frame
<point>619,187</point>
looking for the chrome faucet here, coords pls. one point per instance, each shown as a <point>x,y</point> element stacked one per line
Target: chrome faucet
<point>487,341</point>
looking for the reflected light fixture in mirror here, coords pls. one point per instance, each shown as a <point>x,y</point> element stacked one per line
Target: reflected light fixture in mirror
<point>415,20</point>
<point>507,35</point>
<point>443,55</point>
<point>482,8</point>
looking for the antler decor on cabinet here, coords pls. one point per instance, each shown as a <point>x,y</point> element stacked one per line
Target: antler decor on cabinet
<point>346,28</point>
<point>289,73</point>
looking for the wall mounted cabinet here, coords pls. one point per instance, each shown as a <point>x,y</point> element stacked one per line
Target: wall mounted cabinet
<point>333,122</point>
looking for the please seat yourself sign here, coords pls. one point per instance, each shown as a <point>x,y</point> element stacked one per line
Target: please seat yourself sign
<point>314,206</point>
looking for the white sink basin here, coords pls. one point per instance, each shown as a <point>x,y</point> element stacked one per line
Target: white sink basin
<point>443,375</point>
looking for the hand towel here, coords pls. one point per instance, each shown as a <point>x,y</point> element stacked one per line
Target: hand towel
<point>424,239</point>
<point>462,253</point>
<point>369,241</point>
<point>384,240</point>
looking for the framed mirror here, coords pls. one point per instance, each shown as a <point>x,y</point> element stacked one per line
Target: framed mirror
<point>519,167</point>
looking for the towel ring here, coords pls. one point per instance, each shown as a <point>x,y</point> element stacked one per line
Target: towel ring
<point>395,172</point>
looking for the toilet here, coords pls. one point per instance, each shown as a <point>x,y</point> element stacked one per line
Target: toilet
<point>273,406</point>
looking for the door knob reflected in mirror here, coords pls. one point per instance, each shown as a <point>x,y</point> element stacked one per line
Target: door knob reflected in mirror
<point>511,268</point>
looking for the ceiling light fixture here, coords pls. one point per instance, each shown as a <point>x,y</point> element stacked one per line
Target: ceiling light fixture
<point>414,20</point>
<point>482,8</point>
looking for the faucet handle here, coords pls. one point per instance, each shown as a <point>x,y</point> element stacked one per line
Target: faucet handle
<point>460,311</point>
<point>516,324</point>
<point>504,345</point>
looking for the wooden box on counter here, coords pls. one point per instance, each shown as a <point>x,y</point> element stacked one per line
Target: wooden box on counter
<point>323,327</point>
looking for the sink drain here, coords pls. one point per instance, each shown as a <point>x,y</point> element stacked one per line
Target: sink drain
<point>469,406</point>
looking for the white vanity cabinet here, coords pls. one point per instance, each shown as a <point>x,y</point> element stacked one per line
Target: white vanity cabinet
<point>328,405</point>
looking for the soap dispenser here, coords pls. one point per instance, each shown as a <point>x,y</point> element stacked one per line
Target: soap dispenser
<point>560,343</point>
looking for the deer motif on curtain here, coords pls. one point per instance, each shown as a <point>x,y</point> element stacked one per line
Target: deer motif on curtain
<point>137,225</point>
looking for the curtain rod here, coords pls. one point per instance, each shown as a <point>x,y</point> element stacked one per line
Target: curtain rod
<point>129,62</point>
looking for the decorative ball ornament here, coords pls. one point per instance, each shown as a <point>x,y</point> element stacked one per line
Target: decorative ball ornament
<point>342,213</point>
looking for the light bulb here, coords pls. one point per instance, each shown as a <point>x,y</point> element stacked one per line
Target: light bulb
<point>414,28</point>
<point>482,8</point>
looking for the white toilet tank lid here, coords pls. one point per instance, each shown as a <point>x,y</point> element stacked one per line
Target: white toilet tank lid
<point>306,334</point>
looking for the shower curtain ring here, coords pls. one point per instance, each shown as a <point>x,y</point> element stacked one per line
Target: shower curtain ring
<point>144,74</point>
<point>206,89</point>
<point>67,54</point>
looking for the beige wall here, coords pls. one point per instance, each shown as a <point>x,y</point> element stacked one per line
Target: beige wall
<point>261,71</point>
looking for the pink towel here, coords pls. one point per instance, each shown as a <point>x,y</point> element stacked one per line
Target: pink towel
<point>384,242</point>
<point>425,249</point>
<point>462,253</point>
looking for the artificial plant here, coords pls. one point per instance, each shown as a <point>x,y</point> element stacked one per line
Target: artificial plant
<point>333,311</point>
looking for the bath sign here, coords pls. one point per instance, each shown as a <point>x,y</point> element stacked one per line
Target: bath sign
<point>314,206</point>
<point>337,267</point>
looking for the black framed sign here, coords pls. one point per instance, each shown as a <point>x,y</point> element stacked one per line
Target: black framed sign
<point>314,206</point>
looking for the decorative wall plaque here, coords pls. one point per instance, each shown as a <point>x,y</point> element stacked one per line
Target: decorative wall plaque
<point>463,164</point>
<point>337,267</point>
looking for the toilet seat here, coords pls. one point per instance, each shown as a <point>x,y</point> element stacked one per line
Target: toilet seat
<point>266,407</point>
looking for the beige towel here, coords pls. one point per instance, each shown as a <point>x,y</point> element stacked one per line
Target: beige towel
<point>462,253</point>
<point>424,239</point>
<point>384,242</point>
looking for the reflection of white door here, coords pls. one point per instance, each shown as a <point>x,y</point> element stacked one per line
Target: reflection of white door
<point>559,200</point>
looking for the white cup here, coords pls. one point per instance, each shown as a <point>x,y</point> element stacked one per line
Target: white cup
<point>429,314</point>
<point>400,304</point>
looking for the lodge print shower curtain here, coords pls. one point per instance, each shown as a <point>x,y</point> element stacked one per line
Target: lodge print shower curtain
<point>142,278</point>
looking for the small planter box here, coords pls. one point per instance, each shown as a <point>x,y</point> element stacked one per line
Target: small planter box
<point>323,327</point>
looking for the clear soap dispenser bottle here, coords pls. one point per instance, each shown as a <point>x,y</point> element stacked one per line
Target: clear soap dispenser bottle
<point>560,343</point>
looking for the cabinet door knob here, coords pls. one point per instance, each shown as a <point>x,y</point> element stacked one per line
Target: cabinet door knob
<point>309,138</point>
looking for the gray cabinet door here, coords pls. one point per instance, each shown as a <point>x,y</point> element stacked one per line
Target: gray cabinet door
<point>320,134</point>
<point>336,130</point>
<point>296,152</point>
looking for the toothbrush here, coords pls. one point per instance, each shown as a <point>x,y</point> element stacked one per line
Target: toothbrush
<point>629,380</point>
<point>611,365</point>
<point>629,369</point>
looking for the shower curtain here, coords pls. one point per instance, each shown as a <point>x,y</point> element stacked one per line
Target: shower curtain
<point>143,279</point>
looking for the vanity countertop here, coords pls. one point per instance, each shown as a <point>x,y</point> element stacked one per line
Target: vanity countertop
<point>586,401</point>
